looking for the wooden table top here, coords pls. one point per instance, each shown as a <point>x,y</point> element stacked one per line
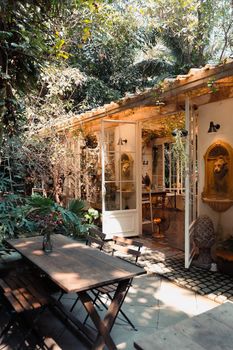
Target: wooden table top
<point>211,330</point>
<point>74,266</point>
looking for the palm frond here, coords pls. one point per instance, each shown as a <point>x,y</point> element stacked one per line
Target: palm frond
<point>76,206</point>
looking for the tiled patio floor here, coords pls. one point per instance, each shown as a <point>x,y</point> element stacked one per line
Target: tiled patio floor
<point>169,263</point>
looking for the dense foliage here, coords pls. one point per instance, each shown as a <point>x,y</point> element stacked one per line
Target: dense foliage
<point>118,46</point>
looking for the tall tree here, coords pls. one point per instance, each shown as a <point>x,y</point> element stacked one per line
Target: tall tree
<point>28,38</point>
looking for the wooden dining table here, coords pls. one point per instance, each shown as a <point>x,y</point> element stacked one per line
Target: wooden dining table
<point>77,268</point>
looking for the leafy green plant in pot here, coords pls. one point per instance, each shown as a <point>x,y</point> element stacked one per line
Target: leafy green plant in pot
<point>51,217</point>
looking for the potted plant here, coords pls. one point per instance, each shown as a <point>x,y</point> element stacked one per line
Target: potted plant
<point>50,217</point>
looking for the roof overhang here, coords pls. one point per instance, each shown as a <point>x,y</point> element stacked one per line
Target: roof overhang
<point>204,85</point>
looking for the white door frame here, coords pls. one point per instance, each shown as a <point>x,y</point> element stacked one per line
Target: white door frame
<point>190,187</point>
<point>121,222</point>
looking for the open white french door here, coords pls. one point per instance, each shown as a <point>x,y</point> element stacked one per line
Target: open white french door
<point>191,187</point>
<point>120,164</point>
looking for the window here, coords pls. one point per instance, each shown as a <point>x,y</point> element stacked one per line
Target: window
<point>168,171</point>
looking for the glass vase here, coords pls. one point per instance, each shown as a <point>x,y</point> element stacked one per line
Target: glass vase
<point>47,243</point>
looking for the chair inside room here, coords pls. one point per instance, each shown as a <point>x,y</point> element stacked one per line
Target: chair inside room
<point>127,249</point>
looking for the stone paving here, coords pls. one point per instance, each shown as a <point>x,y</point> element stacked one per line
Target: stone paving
<point>152,303</point>
<point>214,285</point>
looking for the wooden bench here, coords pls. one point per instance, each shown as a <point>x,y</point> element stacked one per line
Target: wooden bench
<point>24,293</point>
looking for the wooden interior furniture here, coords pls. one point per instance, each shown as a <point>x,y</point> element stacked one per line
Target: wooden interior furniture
<point>210,330</point>
<point>158,195</point>
<point>224,260</point>
<point>24,294</point>
<point>131,250</point>
<point>171,199</point>
<point>147,209</point>
<point>78,268</point>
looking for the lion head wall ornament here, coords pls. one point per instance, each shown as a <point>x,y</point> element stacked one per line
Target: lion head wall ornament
<point>218,189</point>
<point>220,170</point>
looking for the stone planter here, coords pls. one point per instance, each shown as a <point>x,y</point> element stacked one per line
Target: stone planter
<point>204,238</point>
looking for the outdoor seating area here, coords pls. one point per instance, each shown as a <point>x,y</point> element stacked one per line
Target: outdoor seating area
<point>33,291</point>
<point>73,268</point>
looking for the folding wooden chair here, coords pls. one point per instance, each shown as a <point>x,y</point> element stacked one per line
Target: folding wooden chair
<point>131,250</point>
<point>97,233</point>
<point>95,242</point>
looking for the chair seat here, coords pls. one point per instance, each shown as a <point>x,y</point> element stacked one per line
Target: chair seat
<point>107,289</point>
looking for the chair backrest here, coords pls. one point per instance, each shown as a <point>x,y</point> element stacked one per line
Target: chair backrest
<point>127,246</point>
<point>95,242</point>
<point>96,232</point>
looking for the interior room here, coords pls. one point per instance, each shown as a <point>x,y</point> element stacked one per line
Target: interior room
<point>163,181</point>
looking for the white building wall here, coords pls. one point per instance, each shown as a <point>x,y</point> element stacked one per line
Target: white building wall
<point>220,113</point>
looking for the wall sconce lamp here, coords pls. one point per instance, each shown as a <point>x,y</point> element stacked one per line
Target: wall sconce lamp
<point>213,127</point>
<point>121,141</point>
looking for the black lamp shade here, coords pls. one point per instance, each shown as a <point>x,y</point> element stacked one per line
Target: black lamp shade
<point>213,127</point>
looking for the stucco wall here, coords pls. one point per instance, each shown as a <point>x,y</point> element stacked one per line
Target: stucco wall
<point>220,113</point>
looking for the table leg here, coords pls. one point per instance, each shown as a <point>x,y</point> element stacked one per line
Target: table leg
<point>99,324</point>
<point>104,326</point>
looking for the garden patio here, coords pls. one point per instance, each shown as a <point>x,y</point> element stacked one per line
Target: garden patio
<point>116,174</point>
<point>153,303</point>
<point>167,294</point>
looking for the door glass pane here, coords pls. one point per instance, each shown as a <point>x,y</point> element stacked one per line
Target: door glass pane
<point>110,167</point>
<point>120,171</point>
<point>127,167</point>
<point>112,196</point>
<point>129,199</point>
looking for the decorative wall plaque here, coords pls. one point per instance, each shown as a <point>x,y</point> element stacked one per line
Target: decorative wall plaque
<point>126,168</point>
<point>218,188</point>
